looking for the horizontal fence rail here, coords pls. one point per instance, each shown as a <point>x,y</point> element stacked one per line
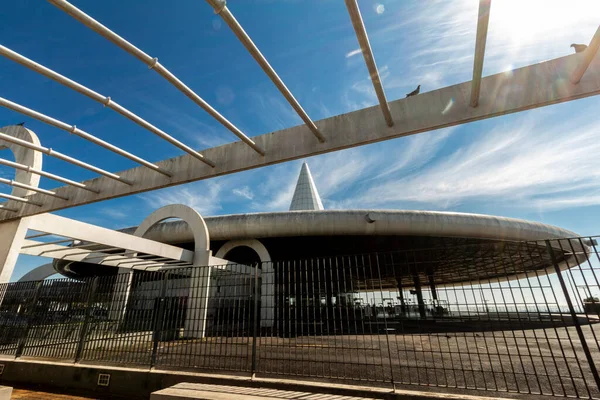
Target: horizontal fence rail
<point>498,316</point>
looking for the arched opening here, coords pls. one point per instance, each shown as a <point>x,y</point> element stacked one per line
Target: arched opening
<point>243,255</point>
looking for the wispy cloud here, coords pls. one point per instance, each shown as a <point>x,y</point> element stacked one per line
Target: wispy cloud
<point>416,151</point>
<point>203,196</point>
<point>531,163</point>
<point>353,53</point>
<point>114,213</point>
<point>272,110</point>
<point>245,192</point>
<point>173,120</point>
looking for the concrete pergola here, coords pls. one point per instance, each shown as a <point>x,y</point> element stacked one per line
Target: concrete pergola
<point>554,81</point>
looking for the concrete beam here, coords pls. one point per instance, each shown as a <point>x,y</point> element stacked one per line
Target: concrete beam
<point>588,56</point>
<point>66,227</point>
<point>367,52</point>
<point>509,92</point>
<point>481,38</point>
<point>220,8</point>
<point>58,252</point>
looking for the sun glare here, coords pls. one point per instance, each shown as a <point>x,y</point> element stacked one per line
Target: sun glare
<point>526,21</point>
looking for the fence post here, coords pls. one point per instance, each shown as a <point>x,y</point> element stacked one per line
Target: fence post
<point>23,340</point>
<point>584,345</point>
<point>158,318</point>
<point>86,321</point>
<point>255,323</point>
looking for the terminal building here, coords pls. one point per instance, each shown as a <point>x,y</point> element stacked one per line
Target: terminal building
<point>316,263</point>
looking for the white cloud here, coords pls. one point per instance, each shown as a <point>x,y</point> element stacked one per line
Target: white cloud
<point>353,53</point>
<point>273,110</point>
<point>202,196</point>
<point>532,163</point>
<point>245,192</point>
<point>114,213</point>
<point>225,95</point>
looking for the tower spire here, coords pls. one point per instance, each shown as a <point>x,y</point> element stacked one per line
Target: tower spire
<point>306,196</point>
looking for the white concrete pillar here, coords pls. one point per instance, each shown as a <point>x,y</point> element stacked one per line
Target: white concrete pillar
<point>198,296</point>
<point>120,295</point>
<point>12,235</point>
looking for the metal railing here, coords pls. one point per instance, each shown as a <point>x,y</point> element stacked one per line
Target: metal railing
<point>499,316</point>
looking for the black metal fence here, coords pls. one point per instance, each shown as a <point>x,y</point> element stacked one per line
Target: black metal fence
<point>500,316</point>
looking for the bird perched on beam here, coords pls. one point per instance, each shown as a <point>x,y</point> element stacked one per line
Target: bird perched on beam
<point>21,124</point>
<point>414,92</point>
<point>579,47</point>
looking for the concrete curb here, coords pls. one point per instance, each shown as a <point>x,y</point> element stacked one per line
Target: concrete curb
<point>138,383</point>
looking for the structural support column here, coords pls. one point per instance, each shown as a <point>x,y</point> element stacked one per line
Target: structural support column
<point>432,286</point>
<point>419,293</point>
<point>12,235</point>
<point>197,306</point>
<point>120,296</point>
<point>401,295</point>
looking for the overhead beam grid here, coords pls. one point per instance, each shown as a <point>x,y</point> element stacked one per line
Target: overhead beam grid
<point>220,8</point>
<point>152,63</point>
<point>588,56</point>
<point>22,167</point>
<point>76,131</point>
<point>365,47</point>
<point>106,101</point>
<point>480,40</point>
<point>63,157</point>
<point>554,81</point>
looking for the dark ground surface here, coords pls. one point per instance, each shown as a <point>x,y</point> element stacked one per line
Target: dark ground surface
<point>540,361</point>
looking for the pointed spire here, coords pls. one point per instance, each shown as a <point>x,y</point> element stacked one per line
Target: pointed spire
<point>306,196</point>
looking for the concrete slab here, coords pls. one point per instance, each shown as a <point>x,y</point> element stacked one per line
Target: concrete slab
<point>5,392</point>
<point>195,391</point>
<point>202,391</point>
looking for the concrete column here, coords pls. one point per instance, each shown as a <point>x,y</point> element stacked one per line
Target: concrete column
<point>120,296</point>
<point>419,293</point>
<point>12,235</point>
<point>198,296</point>
<point>432,286</point>
<point>401,295</point>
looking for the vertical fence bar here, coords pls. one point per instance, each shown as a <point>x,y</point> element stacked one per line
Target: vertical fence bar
<point>86,320</point>
<point>158,318</point>
<point>582,339</point>
<point>385,322</point>
<point>255,321</point>
<point>30,314</point>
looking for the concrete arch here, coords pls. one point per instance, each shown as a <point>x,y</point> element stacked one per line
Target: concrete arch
<point>267,273</point>
<point>193,219</point>
<point>200,277</point>
<point>254,244</point>
<point>39,274</point>
<point>23,156</point>
<point>12,233</point>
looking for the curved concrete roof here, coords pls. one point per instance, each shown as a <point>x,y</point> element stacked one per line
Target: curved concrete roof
<point>360,222</point>
<point>379,223</point>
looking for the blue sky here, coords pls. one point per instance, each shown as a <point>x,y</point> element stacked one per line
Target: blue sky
<point>540,165</point>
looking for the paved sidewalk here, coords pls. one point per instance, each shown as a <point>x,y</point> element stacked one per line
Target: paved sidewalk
<point>20,394</point>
